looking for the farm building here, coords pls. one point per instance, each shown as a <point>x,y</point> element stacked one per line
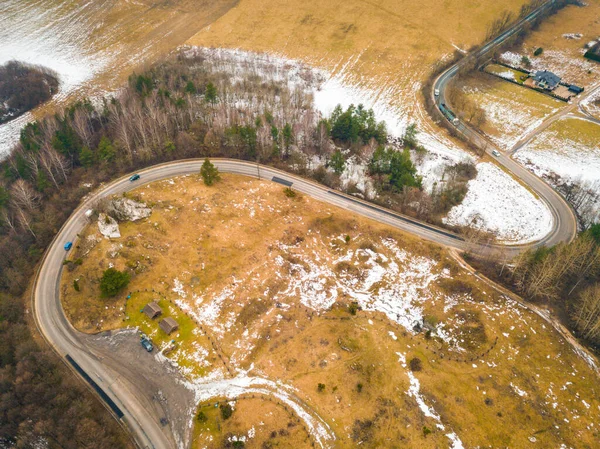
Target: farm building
<point>152,310</point>
<point>168,325</point>
<point>545,79</point>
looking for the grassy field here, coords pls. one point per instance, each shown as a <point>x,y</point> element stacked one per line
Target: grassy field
<point>272,278</point>
<point>510,110</point>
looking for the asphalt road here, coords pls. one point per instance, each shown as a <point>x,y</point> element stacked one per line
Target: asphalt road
<point>565,221</point>
<point>144,426</point>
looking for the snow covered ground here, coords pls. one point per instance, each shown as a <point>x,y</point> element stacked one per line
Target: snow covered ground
<point>511,111</point>
<point>568,153</point>
<point>498,203</point>
<point>563,63</point>
<point>36,34</point>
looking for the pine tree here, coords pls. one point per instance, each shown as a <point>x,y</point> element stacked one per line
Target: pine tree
<point>209,173</point>
<point>210,95</point>
<point>338,162</point>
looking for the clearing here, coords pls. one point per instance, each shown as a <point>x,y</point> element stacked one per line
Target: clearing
<point>263,286</point>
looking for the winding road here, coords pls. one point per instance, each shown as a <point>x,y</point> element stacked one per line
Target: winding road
<point>117,390</point>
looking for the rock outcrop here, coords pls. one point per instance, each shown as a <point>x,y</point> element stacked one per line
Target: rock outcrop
<point>108,227</point>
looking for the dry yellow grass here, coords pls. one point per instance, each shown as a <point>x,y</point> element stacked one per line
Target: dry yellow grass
<point>263,424</point>
<point>500,376</point>
<point>386,45</point>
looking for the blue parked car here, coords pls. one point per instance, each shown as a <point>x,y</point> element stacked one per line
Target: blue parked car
<point>146,344</point>
<point>68,246</point>
<point>134,177</point>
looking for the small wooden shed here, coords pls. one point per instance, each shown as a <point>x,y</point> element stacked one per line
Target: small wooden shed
<point>168,325</point>
<point>152,310</point>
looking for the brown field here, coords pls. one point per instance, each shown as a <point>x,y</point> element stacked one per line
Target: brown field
<point>271,278</point>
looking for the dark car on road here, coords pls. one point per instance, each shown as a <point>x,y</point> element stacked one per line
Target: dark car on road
<point>134,177</point>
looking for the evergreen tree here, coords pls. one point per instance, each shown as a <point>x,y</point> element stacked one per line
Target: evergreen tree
<point>209,173</point>
<point>288,137</point>
<point>87,157</point>
<point>106,150</point>
<point>113,281</point>
<point>190,88</point>
<point>338,162</point>
<point>402,171</point>
<point>210,94</point>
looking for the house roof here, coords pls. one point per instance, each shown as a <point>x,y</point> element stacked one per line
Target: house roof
<point>168,325</point>
<point>549,78</point>
<point>152,309</point>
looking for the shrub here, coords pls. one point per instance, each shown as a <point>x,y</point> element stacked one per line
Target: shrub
<point>226,411</point>
<point>113,281</point>
<point>321,387</point>
<point>76,285</point>
<point>289,192</point>
<point>415,364</point>
<point>426,431</point>
<point>347,239</point>
<point>359,387</point>
<point>538,51</point>
<point>202,416</point>
<point>353,308</point>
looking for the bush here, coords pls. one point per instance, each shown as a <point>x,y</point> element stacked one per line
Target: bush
<point>201,416</point>
<point>289,192</point>
<point>359,387</point>
<point>76,285</point>
<point>538,51</point>
<point>415,364</point>
<point>113,281</point>
<point>353,308</point>
<point>226,411</point>
<point>321,388</point>
<point>426,431</point>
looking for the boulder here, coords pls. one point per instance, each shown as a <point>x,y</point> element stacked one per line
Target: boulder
<point>108,227</point>
<point>124,209</point>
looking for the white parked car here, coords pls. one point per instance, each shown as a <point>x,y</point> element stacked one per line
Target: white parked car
<point>496,153</point>
<point>436,92</point>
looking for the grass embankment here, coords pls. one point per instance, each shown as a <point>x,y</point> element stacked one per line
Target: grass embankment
<point>272,279</point>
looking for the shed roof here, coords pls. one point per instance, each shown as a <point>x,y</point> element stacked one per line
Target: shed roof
<point>168,325</point>
<point>152,309</point>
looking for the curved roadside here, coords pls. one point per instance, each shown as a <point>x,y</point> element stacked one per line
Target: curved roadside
<point>61,336</point>
<point>564,218</point>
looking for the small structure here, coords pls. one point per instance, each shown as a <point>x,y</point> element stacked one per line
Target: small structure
<point>546,80</point>
<point>168,325</point>
<point>152,310</point>
<point>575,89</point>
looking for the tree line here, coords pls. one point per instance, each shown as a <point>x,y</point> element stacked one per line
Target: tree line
<point>566,277</point>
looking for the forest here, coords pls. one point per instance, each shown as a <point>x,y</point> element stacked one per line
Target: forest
<point>23,87</point>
